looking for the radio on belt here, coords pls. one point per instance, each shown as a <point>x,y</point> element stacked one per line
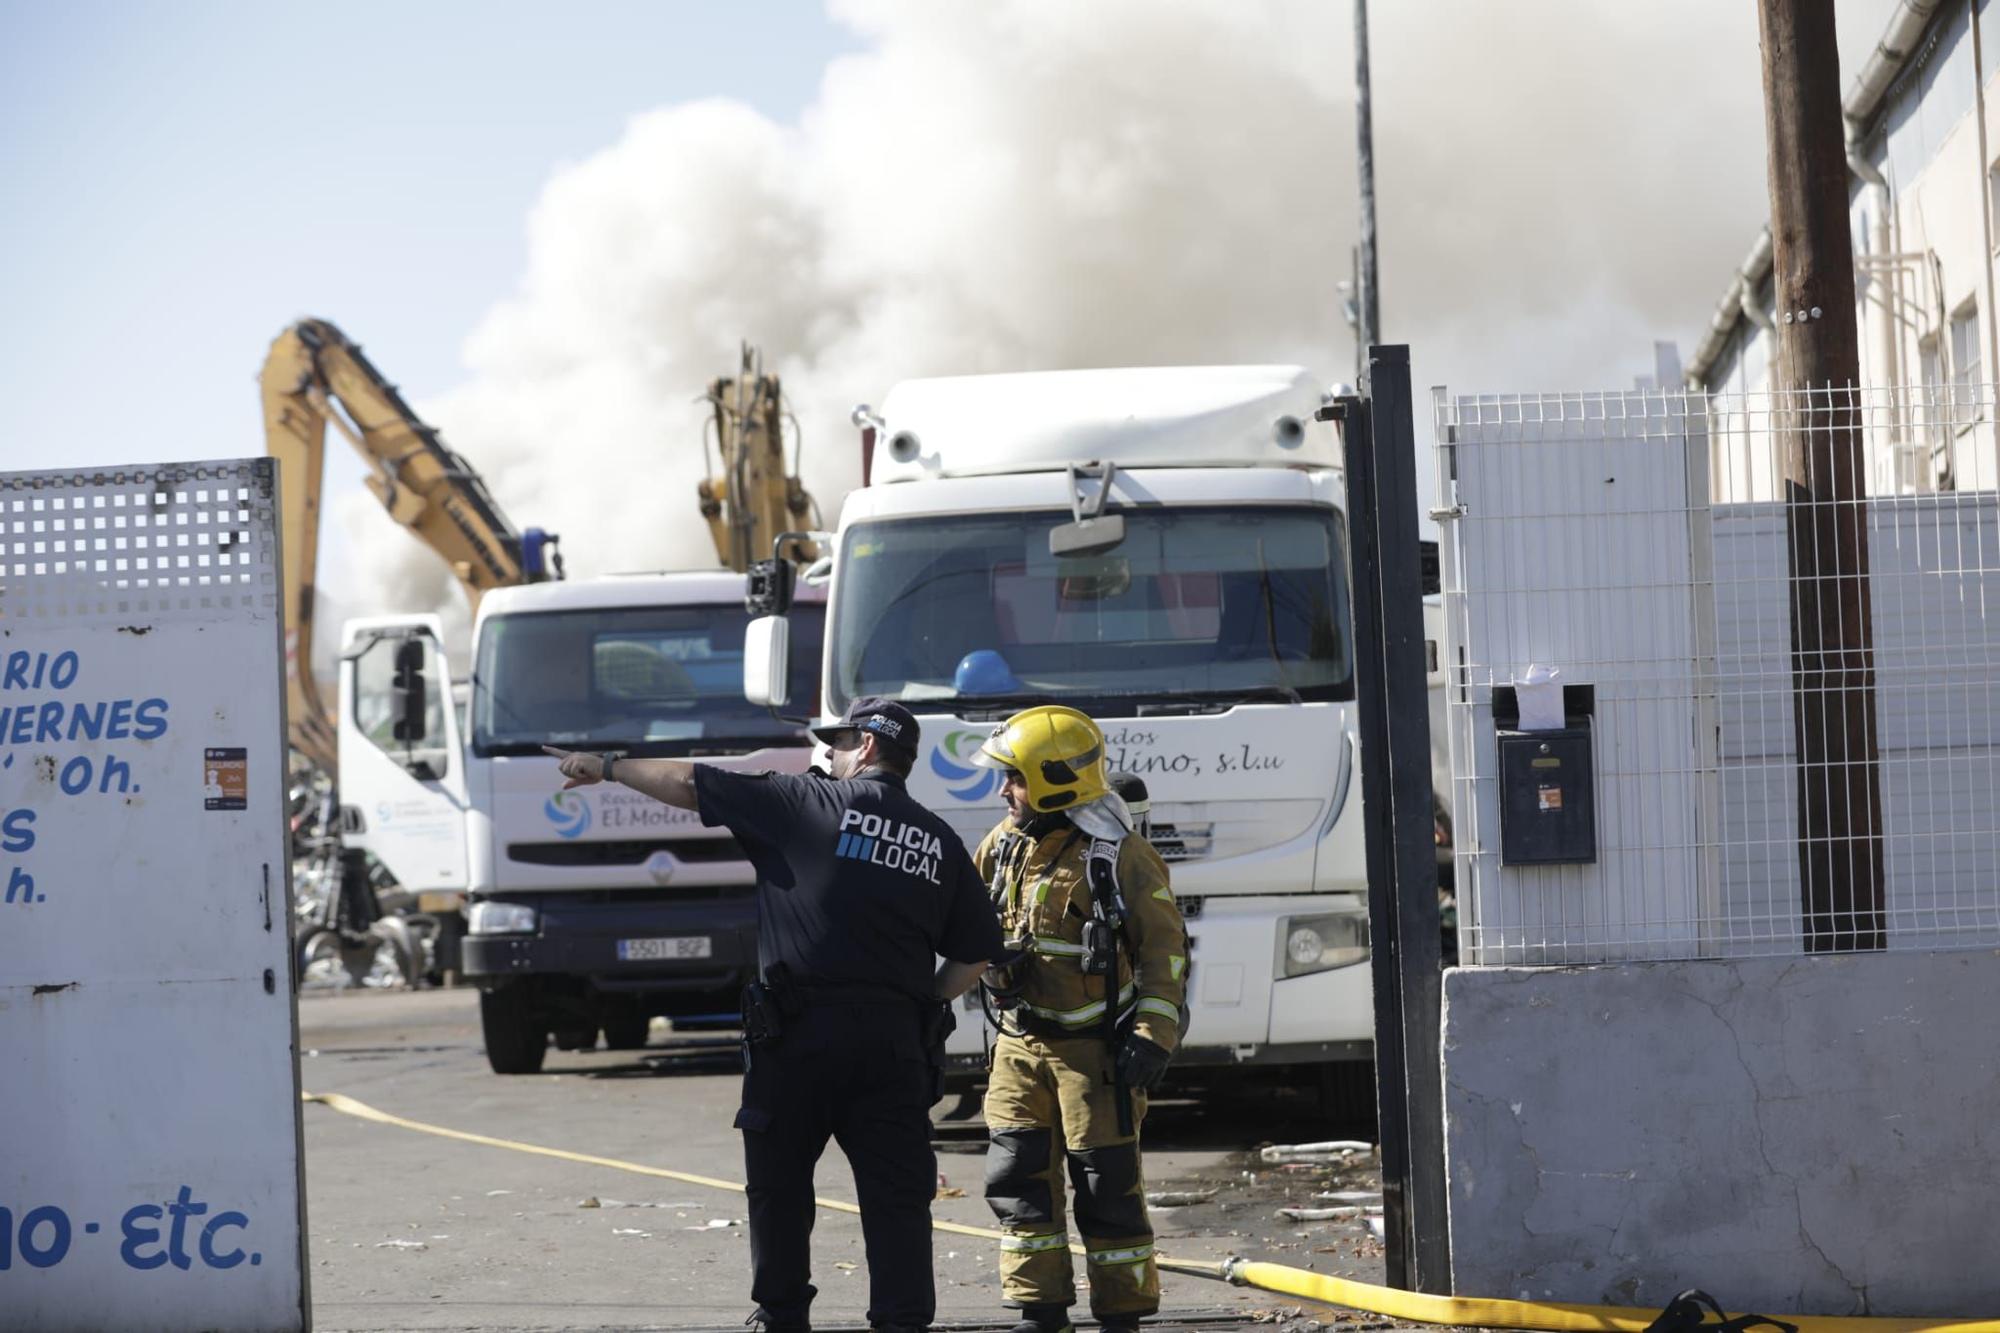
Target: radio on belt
<point>1548,806</point>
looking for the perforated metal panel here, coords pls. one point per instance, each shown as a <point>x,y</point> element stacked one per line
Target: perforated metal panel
<point>191,539</point>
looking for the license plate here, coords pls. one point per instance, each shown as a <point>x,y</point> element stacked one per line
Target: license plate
<point>667,949</point>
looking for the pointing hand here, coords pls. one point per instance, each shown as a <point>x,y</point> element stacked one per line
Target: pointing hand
<point>580,768</point>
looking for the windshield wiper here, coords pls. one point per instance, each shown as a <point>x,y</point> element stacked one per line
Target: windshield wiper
<point>1221,701</point>
<point>989,707</point>
<point>1267,694</point>
<point>516,747</point>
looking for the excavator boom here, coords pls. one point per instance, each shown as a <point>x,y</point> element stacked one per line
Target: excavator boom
<point>753,497</point>
<point>314,375</point>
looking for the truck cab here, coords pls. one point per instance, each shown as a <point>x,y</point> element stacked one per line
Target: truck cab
<point>1165,549</point>
<point>592,910</point>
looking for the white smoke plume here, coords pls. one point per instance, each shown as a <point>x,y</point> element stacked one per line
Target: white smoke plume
<point>1024,184</point>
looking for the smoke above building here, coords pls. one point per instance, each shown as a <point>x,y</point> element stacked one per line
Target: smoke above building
<point>1035,184</point>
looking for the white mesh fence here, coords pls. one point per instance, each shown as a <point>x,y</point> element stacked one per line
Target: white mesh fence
<point>1639,544</point>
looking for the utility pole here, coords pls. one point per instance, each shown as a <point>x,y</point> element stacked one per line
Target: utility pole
<point>1367,295</point>
<point>1817,422</point>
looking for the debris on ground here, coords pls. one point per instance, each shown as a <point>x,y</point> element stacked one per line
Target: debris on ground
<point>714,1224</point>
<point>951,1192</point>
<point>594,1202</point>
<point>401,1245</point>
<point>1177,1198</point>
<point>631,1231</point>
<point>1329,1192</point>
<point>1333,1150</point>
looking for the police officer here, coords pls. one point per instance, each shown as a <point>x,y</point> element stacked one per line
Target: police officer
<point>1090,1012</point>
<point>859,890</point>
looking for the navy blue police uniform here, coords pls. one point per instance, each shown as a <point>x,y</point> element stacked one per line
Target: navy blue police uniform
<point>859,889</point>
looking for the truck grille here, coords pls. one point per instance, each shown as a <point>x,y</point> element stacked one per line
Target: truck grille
<point>1182,842</point>
<point>625,851</point>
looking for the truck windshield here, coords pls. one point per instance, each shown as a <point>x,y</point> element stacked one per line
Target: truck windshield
<point>659,681</point>
<point>1198,606</point>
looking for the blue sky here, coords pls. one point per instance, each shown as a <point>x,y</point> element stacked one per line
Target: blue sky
<point>183,180</point>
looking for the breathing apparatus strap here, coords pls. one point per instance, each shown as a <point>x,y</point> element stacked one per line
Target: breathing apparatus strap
<point>1108,906</point>
<point>1101,871</point>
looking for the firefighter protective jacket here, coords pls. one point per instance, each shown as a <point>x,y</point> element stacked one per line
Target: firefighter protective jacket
<point>1044,895</point>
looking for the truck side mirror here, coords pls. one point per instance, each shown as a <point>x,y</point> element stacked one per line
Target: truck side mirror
<point>408,692</point>
<point>767,652</point>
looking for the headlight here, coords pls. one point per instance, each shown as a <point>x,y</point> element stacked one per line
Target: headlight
<point>1319,943</point>
<point>499,919</point>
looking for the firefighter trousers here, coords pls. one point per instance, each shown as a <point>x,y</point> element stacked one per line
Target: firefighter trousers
<point>1051,1106</point>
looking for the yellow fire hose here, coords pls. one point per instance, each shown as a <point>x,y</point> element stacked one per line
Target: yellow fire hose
<point>1277,1278</point>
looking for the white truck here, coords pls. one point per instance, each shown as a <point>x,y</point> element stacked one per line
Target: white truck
<point>590,910</point>
<point>1166,550</point>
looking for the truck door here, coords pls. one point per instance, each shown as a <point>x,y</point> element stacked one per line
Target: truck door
<point>402,764</point>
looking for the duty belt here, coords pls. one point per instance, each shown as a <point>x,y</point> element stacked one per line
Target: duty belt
<point>811,993</point>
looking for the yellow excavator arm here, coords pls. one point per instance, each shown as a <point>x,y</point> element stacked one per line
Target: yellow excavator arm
<point>753,496</point>
<point>314,375</point>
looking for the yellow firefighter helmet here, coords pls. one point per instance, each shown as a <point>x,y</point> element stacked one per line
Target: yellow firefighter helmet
<point>1058,752</point>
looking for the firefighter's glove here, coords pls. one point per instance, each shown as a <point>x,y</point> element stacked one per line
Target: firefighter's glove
<point>1142,1063</point>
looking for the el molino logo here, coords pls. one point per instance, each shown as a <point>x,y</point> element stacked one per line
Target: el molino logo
<point>950,760</point>
<point>569,812</point>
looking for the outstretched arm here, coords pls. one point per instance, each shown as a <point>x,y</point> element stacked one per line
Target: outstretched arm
<point>667,780</point>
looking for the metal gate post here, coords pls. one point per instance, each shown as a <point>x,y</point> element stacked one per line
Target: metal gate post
<point>1394,724</point>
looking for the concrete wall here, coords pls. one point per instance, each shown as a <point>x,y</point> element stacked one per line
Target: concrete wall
<point>1810,1135</point>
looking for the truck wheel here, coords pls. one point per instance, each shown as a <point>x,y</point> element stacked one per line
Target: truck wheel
<point>626,1034</point>
<point>516,1041</point>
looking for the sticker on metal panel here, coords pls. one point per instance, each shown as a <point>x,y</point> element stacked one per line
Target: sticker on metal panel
<point>225,779</point>
<point>1549,798</point>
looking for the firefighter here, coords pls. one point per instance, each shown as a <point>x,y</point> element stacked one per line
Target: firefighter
<point>1087,909</point>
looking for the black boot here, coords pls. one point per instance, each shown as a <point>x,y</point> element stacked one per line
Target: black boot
<point>762,1322</point>
<point>1044,1319</point>
<point>1119,1323</point>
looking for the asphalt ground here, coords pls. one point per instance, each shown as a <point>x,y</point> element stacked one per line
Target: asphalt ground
<point>410,1231</point>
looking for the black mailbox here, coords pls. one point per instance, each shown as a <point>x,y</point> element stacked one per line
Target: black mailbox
<point>1548,811</point>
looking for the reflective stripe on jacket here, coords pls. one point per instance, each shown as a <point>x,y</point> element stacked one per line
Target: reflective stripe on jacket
<point>1046,897</point>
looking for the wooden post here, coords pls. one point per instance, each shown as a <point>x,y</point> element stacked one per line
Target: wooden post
<point>1367,294</point>
<point>1817,423</point>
